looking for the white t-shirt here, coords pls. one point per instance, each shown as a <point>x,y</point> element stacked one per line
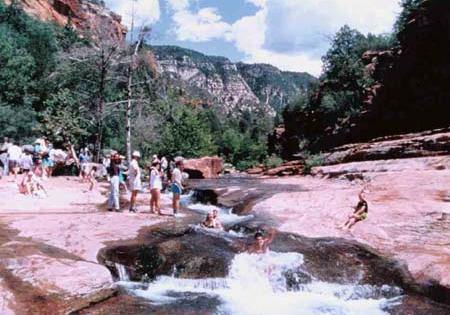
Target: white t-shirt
<point>177,177</point>
<point>155,180</point>
<point>135,171</point>
<point>14,153</point>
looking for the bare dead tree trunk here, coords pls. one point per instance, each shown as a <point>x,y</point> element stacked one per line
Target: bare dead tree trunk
<point>130,92</point>
<point>101,101</point>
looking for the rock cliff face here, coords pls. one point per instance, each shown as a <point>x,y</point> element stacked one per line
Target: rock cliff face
<point>411,89</point>
<point>234,87</point>
<point>90,18</point>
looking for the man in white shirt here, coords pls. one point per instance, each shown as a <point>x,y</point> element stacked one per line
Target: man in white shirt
<point>14,153</point>
<point>134,179</point>
<point>177,187</point>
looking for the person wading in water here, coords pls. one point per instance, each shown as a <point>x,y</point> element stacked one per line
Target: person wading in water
<point>261,243</point>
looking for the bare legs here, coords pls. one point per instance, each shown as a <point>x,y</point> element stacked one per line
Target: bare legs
<point>133,200</point>
<point>155,201</point>
<point>176,203</point>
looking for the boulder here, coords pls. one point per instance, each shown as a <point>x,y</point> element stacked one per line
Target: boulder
<point>205,167</point>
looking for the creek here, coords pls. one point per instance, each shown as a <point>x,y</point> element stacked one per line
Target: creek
<point>181,268</point>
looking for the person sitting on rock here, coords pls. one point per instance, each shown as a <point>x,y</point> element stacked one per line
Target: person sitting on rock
<point>212,222</point>
<point>360,213</point>
<point>261,244</point>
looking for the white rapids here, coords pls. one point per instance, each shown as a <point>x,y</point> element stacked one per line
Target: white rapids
<point>257,285</point>
<point>226,215</point>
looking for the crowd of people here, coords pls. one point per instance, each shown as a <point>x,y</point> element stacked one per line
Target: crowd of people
<point>36,163</point>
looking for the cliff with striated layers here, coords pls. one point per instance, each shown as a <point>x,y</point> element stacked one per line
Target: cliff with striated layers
<point>88,18</point>
<point>233,87</point>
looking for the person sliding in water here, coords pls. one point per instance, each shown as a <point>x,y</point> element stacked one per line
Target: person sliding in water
<point>360,213</point>
<point>212,222</point>
<point>261,244</point>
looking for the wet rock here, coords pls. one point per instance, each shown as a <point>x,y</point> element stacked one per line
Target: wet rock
<point>191,254</point>
<point>206,167</point>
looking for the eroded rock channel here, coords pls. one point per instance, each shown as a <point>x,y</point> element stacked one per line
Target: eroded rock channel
<point>180,268</point>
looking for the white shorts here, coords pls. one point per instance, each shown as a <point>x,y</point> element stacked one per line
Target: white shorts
<point>134,183</point>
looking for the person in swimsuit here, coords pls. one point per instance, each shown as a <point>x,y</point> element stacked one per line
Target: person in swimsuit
<point>261,243</point>
<point>360,213</point>
<point>212,222</point>
<point>92,178</point>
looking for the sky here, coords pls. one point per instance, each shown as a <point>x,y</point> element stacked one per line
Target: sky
<point>289,34</point>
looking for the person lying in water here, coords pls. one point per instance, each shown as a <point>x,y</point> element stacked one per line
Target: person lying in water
<point>261,243</point>
<point>212,221</point>
<point>360,213</point>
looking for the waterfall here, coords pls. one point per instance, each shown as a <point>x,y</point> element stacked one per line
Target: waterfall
<point>260,284</point>
<point>122,272</point>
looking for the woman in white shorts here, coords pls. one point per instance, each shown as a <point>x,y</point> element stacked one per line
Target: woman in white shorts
<point>155,187</point>
<point>134,179</point>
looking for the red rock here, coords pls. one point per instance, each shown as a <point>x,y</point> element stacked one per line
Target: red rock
<point>285,170</point>
<point>205,167</point>
<point>49,246</point>
<point>408,216</point>
<point>86,16</point>
<point>429,143</point>
<point>255,171</point>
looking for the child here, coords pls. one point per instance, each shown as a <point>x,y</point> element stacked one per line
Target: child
<point>360,213</point>
<point>212,222</point>
<point>91,178</point>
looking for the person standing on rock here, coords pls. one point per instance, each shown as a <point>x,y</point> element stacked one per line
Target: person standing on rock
<point>113,172</point>
<point>14,154</point>
<point>155,187</point>
<point>134,179</point>
<point>4,155</point>
<point>177,187</point>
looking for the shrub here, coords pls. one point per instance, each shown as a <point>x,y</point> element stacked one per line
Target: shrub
<point>312,160</point>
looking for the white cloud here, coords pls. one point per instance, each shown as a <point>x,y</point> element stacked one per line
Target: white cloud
<point>178,5</point>
<point>258,3</point>
<point>290,34</point>
<point>145,11</point>
<point>200,26</point>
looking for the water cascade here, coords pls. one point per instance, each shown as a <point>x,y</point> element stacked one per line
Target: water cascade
<point>272,283</point>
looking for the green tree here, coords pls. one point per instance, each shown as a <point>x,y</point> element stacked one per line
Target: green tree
<point>63,119</point>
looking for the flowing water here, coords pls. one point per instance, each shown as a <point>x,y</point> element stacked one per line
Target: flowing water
<point>278,283</point>
<point>260,284</point>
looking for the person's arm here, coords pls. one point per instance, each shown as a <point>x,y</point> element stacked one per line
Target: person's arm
<point>270,238</point>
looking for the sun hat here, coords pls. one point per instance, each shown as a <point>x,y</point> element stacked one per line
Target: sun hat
<point>136,154</point>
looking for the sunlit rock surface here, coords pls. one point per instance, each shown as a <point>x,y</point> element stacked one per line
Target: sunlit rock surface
<point>49,246</point>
